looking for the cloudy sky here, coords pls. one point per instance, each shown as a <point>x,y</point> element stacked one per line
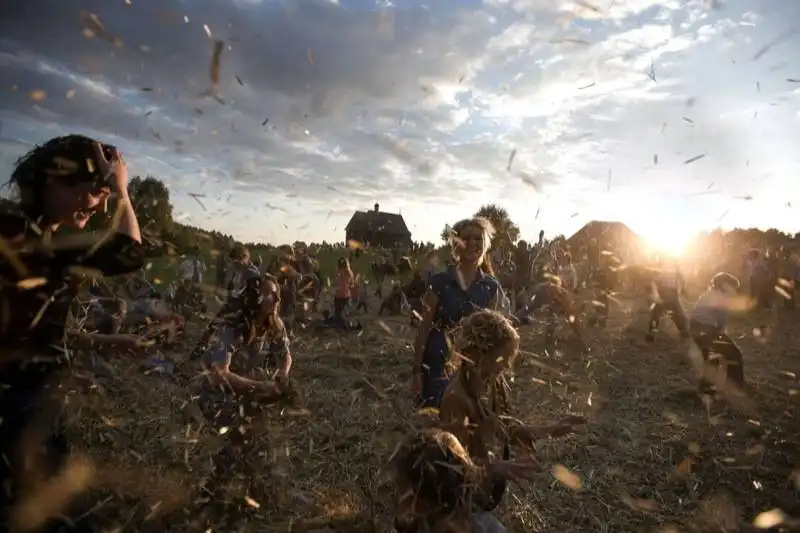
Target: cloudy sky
<point>676,113</point>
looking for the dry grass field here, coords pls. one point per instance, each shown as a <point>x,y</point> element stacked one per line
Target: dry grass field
<point>653,457</point>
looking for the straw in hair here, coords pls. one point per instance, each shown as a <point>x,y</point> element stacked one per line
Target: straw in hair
<point>433,469</point>
<point>484,333</point>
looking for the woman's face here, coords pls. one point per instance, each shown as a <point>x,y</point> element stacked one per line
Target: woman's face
<point>471,245</point>
<point>74,205</point>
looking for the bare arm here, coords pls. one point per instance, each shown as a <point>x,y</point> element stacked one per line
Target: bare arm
<point>221,375</point>
<point>82,340</point>
<point>430,302</point>
<point>128,223</point>
<point>286,363</point>
<point>125,220</point>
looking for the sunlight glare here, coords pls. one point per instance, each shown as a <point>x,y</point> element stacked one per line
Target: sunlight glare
<point>669,242</point>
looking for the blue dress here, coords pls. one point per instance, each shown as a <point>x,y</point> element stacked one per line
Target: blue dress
<point>454,304</point>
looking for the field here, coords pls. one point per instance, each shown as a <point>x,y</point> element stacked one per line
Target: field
<point>166,269</point>
<point>651,459</point>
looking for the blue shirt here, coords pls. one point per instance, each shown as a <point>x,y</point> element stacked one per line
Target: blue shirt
<point>454,304</point>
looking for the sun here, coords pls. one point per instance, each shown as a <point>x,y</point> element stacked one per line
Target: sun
<point>667,242</point>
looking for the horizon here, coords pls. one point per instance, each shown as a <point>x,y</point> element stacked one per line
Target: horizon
<point>673,119</point>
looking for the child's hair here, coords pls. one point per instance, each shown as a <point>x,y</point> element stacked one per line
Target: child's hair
<point>344,266</point>
<point>723,279</point>
<point>485,333</point>
<point>433,469</point>
<point>239,253</point>
<point>486,266</point>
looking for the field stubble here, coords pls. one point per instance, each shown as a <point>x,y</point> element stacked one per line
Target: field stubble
<point>651,459</point>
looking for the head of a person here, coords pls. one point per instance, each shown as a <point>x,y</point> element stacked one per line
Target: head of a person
<point>486,342</point>
<point>725,282</point>
<point>567,258</point>
<point>343,264</point>
<point>286,253</point>
<point>61,182</point>
<point>435,480</point>
<point>195,251</point>
<point>470,239</point>
<point>273,295</point>
<point>239,256</point>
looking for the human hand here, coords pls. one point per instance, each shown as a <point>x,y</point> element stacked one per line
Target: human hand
<point>112,167</point>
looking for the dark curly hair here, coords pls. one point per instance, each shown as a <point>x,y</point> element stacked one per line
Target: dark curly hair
<point>70,158</point>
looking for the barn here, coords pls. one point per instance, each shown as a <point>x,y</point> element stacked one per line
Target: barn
<point>378,229</point>
<point>610,236</point>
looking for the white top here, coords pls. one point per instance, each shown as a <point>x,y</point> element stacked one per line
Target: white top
<point>188,267</point>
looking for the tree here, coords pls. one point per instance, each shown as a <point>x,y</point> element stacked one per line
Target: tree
<point>150,199</point>
<point>506,232</point>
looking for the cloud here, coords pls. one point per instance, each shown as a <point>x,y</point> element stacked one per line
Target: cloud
<point>327,107</point>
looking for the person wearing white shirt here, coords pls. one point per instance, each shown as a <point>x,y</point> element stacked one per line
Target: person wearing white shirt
<point>193,268</point>
<point>669,283</point>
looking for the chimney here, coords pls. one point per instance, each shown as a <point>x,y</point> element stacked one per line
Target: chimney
<point>377,208</point>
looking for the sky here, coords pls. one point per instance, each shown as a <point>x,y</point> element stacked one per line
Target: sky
<point>324,107</point>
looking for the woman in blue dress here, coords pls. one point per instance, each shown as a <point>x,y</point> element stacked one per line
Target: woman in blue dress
<point>466,286</point>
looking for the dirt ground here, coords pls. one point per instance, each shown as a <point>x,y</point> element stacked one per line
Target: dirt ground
<point>653,457</point>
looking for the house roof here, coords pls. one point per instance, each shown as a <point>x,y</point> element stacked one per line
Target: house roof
<point>601,230</point>
<point>378,221</point>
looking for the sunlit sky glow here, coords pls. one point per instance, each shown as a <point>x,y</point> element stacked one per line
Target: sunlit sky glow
<point>418,107</point>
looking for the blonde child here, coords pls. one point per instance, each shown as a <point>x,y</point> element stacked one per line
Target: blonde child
<point>486,346</point>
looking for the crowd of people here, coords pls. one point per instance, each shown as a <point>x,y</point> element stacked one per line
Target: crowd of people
<point>466,317</point>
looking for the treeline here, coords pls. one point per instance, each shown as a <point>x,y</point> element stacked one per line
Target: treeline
<point>151,199</point>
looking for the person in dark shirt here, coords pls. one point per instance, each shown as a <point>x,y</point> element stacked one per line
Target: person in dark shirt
<point>227,398</point>
<point>60,184</point>
<point>240,322</point>
<point>462,289</point>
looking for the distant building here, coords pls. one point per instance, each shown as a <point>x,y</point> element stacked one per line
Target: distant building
<point>611,236</point>
<point>378,229</point>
